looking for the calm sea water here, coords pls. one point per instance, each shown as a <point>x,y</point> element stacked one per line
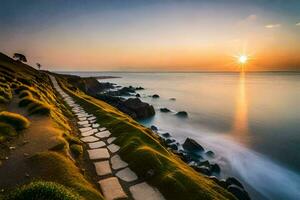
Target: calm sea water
<point>251,121</point>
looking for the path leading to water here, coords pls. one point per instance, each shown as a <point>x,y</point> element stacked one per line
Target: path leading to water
<point>116,179</point>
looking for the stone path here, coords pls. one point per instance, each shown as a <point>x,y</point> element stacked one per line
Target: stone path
<point>116,179</point>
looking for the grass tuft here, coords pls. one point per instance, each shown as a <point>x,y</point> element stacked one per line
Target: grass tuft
<point>77,150</point>
<point>52,166</point>
<point>43,191</point>
<point>18,121</point>
<point>25,93</point>
<point>6,131</point>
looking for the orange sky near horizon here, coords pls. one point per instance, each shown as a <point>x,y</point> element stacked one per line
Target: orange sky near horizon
<point>159,37</point>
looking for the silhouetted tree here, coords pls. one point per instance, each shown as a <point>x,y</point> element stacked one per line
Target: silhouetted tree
<point>38,65</point>
<point>20,57</point>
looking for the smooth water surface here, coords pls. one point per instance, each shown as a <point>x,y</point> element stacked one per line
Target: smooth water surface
<point>251,121</point>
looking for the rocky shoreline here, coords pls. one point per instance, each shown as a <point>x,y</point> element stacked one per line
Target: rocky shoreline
<point>198,158</point>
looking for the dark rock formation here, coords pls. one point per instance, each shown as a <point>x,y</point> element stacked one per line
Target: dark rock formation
<point>210,154</point>
<point>215,168</point>
<point>165,110</point>
<point>166,135</point>
<point>192,146</point>
<point>155,96</point>
<point>172,99</point>
<point>139,88</point>
<point>137,95</point>
<point>238,192</point>
<point>140,109</point>
<point>154,128</point>
<point>234,181</point>
<point>182,114</point>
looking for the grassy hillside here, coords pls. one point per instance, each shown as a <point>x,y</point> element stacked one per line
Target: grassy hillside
<point>58,169</point>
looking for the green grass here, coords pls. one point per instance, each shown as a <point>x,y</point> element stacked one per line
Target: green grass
<point>55,167</point>
<point>76,149</point>
<point>6,131</point>
<point>141,148</point>
<point>25,93</point>
<point>18,121</point>
<point>43,191</point>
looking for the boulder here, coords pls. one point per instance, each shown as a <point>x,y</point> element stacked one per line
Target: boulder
<point>182,114</point>
<point>141,109</point>
<point>137,95</point>
<point>238,192</point>
<point>169,141</point>
<point>139,88</point>
<point>215,168</point>
<point>210,154</point>
<point>155,96</point>
<point>173,146</point>
<point>165,110</point>
<point>223,183</point>
<point>192,146</point>
<point>154,128</point>
<point>202,169</point>
<point>166,135</point>
<point>234,181</point>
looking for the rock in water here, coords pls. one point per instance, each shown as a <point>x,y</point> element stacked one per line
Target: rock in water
<point>141,109</point>
<point>210,153</point>
<point>182,114</point>
<point>155,96</point>
<point>215,168</point>
<point>154,128</point>
<point>238,192</point>
<point>192,146</point>
<point>165,110</point>
<point>172,99</point>
<point>137,95</point>
<point>234,181</point>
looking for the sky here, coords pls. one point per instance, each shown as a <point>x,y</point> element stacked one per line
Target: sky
<point>152,35</point>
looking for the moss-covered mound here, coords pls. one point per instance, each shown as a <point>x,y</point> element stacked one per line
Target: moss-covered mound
<point>6,131</point>
<point>52,166</point>
<point>43,191</point>
<point>17,121</point>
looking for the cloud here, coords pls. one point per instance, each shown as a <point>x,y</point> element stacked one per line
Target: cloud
<point>273,25</point>
<point>298,24</point>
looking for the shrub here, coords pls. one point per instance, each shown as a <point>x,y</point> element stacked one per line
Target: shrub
<point>25,93</point>
<point>6,131</point>
<point>17,121</point>
<point>3,100</point>
<point>37,107</point>
<point>76,149</point>
<point>26,101</point>
<point>43,191</point>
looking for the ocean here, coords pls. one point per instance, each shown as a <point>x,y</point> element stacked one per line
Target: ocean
<point>250,121</point>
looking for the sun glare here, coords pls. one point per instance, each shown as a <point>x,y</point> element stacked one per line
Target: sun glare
<point>243,59</point>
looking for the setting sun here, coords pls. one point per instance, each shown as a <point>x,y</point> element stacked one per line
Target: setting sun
<point>243,59</point>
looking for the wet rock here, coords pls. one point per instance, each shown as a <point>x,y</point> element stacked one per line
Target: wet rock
<point>238,192</point>
<point>141,109</point>
<point>155,96</point>
<point>173,147</point>
<point>137,95</point>
<point>154,128</point>
<point>215,168</point>
<point>165,110</point>
<point>234,181</point>
<point>192,146</point>
<point>182,114</point>
<point>204,163</point>
<point>172,99</point>
<point>169,141</point>
<point>202,169</point>
<point>139,88</point>
<point>210,154</point>
<point>166,135</point>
